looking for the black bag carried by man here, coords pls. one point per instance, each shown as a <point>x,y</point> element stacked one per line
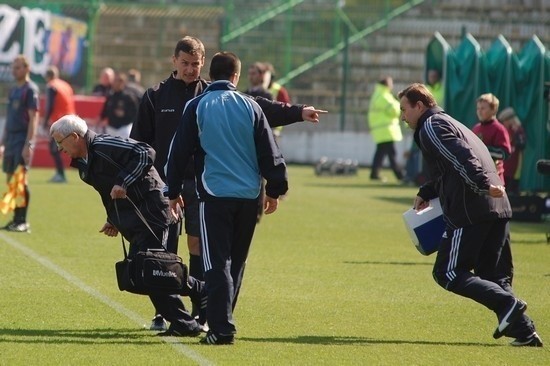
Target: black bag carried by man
<point>151,272</point>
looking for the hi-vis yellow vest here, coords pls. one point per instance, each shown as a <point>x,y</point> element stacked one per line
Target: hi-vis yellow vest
<point>438,93</point>
<point>383,116</point>
<point>274,90</point>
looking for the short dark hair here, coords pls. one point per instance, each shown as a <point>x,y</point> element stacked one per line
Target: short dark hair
<point>418,93</point>
<point>385,80</point>
<point>261,67</point>
<point>52,72</point>
<point>190,45</point>
<point>134,76</point>
<point>224,65</point>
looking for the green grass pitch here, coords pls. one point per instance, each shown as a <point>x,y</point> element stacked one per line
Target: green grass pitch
<point>332,279</point>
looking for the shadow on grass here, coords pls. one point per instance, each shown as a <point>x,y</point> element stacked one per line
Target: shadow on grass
<point>391,263</point>
<point>78,336</point>
<point>345,341</point>
<point>406,201</point>
<point>542,240</point>
<point>339,184</point>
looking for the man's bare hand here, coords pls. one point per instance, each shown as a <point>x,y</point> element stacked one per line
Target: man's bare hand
<point>176,206</point>
<point>420,204</point>
<point>311,114</point>
<point>118,192</point>
<point>270,205</point>
<point>496,191</point>
<point>109,230</point>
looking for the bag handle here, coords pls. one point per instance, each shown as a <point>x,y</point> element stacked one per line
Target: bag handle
<point>121,236</point>
<point>140,215</point>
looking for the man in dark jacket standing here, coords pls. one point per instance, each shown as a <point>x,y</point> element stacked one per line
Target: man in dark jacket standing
<point>233,151</point>
<point>121,171</point>
<point>158,118</point>
<point>476,212</point>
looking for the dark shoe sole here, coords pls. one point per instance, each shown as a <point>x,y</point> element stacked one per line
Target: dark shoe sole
<point>533,341</point>
<point>217,340</point>
<point>12,229</point>
<point>174,333</point>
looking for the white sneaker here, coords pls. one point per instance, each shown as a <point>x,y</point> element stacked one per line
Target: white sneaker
<point>58,178</point>
<point>158,324</point>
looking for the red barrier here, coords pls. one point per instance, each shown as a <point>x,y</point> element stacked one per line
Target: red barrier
<point>87,107</point>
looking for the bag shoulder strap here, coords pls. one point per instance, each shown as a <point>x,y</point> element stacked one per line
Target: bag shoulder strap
<point>140,215</point>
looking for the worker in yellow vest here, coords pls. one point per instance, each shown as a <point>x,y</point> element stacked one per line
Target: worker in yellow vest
<point>435,86</point>
<point>278,92</point>
<point>384,126</point>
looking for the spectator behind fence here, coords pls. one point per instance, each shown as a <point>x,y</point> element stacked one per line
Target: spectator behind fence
<point>435,86</point>
<point>491,131</point>
<point>384,127</point>
<point>59,102</point>
<point>120,109</point>
<point>256,77</point>
<point>518,141</point>
<point>279,93</point>
<point>134,84</point>
<point>414,166</point>
<point>105,83</point>
<point>474,258</point>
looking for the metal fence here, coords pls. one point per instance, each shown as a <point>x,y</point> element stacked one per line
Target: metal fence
<point>81,37</point>
<point>327,52</point>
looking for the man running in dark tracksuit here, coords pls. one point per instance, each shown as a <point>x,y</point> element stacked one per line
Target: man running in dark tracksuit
<point>476,210</point>
<point>121,171</point>
<point>233,147</point>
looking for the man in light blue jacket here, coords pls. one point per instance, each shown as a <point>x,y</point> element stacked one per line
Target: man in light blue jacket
<point>233,147</point>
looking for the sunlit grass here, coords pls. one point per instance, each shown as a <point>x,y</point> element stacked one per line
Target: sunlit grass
<point>332,279</point>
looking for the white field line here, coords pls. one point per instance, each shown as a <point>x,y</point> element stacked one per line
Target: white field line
<point>136,318</point>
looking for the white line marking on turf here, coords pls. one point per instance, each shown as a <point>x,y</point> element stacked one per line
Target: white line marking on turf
<point>181,348</point>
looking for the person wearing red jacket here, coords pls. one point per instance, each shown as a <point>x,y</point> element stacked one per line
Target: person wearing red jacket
<point>518,141</point>
<point>493,134</point>
<point>59,102</point>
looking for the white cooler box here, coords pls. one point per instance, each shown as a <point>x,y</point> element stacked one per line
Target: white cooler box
<point>426,227</point>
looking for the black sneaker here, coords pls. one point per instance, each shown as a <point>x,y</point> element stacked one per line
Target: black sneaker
<point>158,323</point>
<point>531,341</point>
<point>5,227</point>
<point>510,315</point>
<point>217,339</point>
<point>171,332</point>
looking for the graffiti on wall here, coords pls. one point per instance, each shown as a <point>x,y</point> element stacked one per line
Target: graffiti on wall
<point>46,39</point>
